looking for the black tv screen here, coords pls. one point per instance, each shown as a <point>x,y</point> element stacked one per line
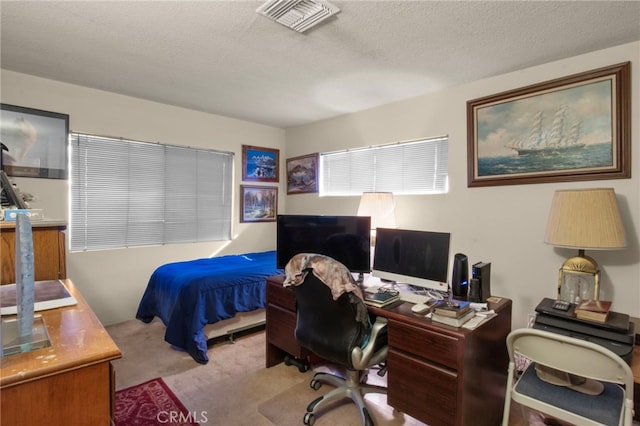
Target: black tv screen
<point>347,239</point>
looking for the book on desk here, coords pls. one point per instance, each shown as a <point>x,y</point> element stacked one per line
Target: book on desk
<point>453,321</point>
<point>452,308</point>
<point>381,298</point>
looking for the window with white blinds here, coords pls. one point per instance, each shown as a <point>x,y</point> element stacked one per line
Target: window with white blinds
<point>416,167</point>
<point>127,193</point>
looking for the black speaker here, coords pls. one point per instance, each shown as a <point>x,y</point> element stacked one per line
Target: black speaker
<point>482,272</point>
<point>460,276</point>
<point>474,291</point>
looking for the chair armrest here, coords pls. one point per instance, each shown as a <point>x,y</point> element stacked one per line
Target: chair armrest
<point>362,358</point>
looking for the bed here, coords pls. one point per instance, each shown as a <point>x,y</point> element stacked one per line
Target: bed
<point>188,295</point>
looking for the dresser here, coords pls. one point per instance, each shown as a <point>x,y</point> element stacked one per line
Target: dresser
<point>437,374</point>
<point>71,382</point>
<point>48,250</point>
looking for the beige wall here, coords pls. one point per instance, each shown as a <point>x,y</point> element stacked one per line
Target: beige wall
<point>113,281</point>
<point>503,225</point>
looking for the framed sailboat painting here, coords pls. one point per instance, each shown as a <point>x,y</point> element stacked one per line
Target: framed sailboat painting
<point>569,129</point>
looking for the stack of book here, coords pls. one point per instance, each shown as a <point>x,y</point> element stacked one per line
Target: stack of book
<point>453,312</point>
<point>381,298</point>
<point>593,310</point>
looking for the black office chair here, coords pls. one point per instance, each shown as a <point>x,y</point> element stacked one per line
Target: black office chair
<point>336,331</point>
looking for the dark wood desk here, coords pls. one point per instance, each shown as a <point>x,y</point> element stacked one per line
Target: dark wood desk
<point>437,374</point>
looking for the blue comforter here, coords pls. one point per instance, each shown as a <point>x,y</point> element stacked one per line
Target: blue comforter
<point>188,295</point>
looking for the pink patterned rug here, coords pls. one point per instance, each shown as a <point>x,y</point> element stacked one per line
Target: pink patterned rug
<point>151,403</point>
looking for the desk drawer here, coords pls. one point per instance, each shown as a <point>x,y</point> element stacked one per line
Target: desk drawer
<point>422,390</point>
<point>281,296</point>
<point>427,344</point>
<point>281,329</point>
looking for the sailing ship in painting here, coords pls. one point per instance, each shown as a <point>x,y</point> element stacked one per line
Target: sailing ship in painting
<point>560,138</point>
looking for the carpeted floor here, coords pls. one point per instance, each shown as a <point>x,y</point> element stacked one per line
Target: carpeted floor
<point>235,388</point>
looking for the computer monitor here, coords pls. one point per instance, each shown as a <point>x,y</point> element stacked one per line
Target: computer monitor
<point>347,239</point>
<point>418,258</point>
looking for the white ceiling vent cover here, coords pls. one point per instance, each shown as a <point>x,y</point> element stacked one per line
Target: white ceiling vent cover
<point>299,15</point>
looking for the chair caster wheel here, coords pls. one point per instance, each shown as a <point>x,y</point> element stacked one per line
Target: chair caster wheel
<point>309,419</point>
<point>315,384</point>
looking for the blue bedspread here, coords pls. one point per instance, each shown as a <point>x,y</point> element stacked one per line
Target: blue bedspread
<point>186,296</point>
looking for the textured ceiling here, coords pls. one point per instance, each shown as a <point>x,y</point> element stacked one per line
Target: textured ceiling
<point>222,57</point>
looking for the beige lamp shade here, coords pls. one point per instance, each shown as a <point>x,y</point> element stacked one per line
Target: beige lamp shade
<point>585,219</point>
<point>381,207</point>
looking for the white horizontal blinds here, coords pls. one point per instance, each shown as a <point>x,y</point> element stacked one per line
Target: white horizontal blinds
<point>127,193</point>
<point>418,167</point>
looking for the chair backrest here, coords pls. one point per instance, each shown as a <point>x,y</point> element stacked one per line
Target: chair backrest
<point>572,355</point>
<point>329,328</point>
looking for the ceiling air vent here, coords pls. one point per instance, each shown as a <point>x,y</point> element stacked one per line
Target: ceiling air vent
<point>299,15</point>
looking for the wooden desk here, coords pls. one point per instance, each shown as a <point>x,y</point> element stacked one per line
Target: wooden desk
<point>437,374</point>
<point>69,383</point>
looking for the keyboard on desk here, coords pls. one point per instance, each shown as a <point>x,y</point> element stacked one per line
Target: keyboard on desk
<point>411,297</point>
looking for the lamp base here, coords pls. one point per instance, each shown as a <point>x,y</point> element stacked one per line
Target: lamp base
<point>579,279</point>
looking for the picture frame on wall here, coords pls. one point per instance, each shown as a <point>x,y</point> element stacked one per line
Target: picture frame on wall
<point>258,203</point>
<point>302,174</point>
<point>260,164</point>
<point>568,129</point>
<point>36,142</point>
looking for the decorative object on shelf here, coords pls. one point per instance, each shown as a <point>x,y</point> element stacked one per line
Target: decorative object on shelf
<point>381,207</point>
<point>25,278</point>
<point>36,142</point>
<point>543,133</point>
<point>583,219</point>
<point>258,203</point>
<point>302,174</point>
<point>260,164</point>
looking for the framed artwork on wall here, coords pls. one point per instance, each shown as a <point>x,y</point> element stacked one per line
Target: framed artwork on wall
<point>35,142</point>
<point>258,203</point>
<point>260,164</point>
<point>572,128</point>
<point>302,174</point>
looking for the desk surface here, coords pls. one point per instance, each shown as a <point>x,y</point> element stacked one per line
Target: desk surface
<point>77,339</point>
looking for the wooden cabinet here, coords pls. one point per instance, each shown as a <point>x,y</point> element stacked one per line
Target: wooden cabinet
<point>48,251</point>
<point>444,375</point>
<point>437,374</point>
<point>281,323</point>
<point>70,382</point>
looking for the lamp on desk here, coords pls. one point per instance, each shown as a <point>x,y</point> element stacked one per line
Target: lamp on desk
<point>583,219</point>
<point>381,207</point>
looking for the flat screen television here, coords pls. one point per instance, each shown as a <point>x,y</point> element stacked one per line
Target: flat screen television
<point>347,239</point>
<point>417,258</point>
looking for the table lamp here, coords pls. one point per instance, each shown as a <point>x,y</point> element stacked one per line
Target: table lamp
<point>583,219</point>
<point>381,207</point>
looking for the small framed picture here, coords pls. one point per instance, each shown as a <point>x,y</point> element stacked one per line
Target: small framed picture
<point>260,164</point>
<point>35,142</point>
<point>258,203</point>
<point>302,174</point>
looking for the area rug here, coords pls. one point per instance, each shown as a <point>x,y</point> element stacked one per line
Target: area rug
<point>149,404</point>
